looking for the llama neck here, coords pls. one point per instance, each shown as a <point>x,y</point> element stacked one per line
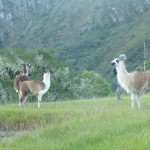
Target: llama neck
<point>121,69</point>
<point>25,70</point>
<point>122,75</point>
<point>46,80</point>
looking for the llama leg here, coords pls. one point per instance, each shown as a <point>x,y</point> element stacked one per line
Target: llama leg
<point>22,98</point>
<point>138,101</point>
<point>20,103</point>
<point>24,101</point>
<point>118,92</point>
<point>132,99</point>
<point>19,99</point>
<point>39,99</point>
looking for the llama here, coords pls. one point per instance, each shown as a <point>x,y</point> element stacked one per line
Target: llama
<point>38,88</point>
<point>21,78</point>
<point>135,83</point>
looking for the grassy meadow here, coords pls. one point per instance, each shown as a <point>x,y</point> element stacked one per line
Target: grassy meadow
<point>95,124</point>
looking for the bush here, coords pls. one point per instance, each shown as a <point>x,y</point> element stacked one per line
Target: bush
<point>65,84</point>
<point>91,84</point>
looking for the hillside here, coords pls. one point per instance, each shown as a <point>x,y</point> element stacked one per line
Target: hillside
<point>86,33</point>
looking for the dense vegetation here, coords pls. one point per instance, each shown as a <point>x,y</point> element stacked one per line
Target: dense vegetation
<point>65,84</point>
<point>95,124</point>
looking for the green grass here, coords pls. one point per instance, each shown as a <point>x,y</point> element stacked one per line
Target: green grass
<point>96,124</point>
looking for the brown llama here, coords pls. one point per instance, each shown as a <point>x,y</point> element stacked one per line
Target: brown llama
<point>38,88</point>
<point>21,78</point>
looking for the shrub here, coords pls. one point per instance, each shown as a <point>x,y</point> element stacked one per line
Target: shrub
<point>91,84</point>
<point>65,84</point>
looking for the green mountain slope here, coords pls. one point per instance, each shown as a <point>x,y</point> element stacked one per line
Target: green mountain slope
<point>89,34</point>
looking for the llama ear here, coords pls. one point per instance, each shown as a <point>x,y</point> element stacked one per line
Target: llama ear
<point>46,70</point>
<point>51,71</point>
<point>117,60</point>
<point>28,64</point>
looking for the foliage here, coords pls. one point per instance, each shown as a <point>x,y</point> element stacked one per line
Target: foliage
<point>148,65</point>
<point>91,85</point>
<point>65,84</point>
<point>141,67</point>
<point>6,94</point>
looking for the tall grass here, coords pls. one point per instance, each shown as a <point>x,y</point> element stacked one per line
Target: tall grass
<point>96,124</point>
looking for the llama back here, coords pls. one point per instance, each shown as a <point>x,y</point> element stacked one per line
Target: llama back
<point>20,79</point>
<point>33,86</point>
<point>142,81</point>
<point>136,82</point>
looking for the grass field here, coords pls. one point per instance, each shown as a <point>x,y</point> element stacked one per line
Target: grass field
<point>95,124</point>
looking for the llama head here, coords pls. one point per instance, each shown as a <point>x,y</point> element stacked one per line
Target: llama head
<point>28,65</point>
<point>47,73</point>
<point>118,65</point>
<point>25,68</point>
<point>115,62</point>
